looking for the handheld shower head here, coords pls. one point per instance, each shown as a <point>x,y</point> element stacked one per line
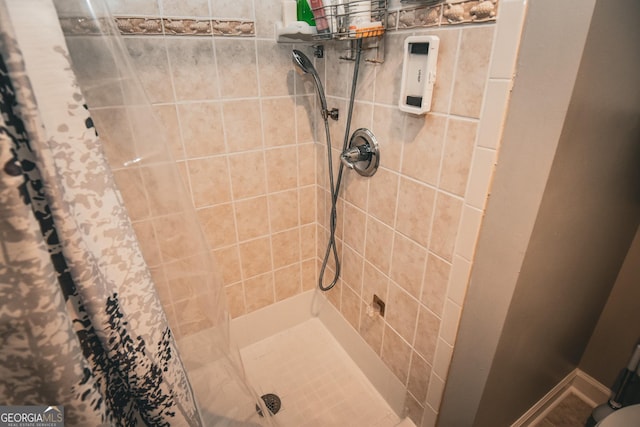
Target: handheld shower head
<point>305,65</point>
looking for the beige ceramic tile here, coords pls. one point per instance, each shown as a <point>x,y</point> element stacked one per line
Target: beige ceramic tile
<point>414,409</point>
<point>388,128</point>
<point>286,247</point>
<point>460,272</point>
<point>436,389</point>
<point>447,53</point>
<point>168,119</point>
<point>275,69</point>
<point>187,287</point>
<point>259,291</point>
<point>174,236</point>
<point>202,130</point>
<point>235,300</point>
<point>493,113</point>
<point>308,241</point>
<point>279,123</point>
<point>247,174</point>
<point>195,8</point>
<point>458,152</point>
<point>282,173</point>
<point>442,359</point>
<point>383,193</point>
<point>429,417</point>
<point>306,164</point>
<point>355,189</point>
<point>238,60</point>
<point>354,227</point>
<point>209,179</point>
<point>193,68</point>
<point>307,197</point>
<point>287,281</point>
<point>131,186</point>
<point>419,377</point>
<point>228,261</point>
<point>149,58</point>
<point>414,218</point>
<point>309,277</point>
<point>158,182</point>
<point>450,322</point>
<point>148,245</point>
<point>387,79</point>
<point>305,118</point>
<point>283,210</point>
<point>423,146</point>
<point>255,257</point>
<point>266,15</point>
<point>468,232</point>
<point>350,307</point>
<point>218,225</point>
<point>396,354</point>
<point>113,126</point>
<point>480,177</point>
<point>351,269</point>
<point>445,225</point>
<point>427,334</point>
<point>401,312</point>
<point>242,125</point>
<point>371,328</point>
<point>378,244</point>
<point>374,282</point>
<point>434,289</point>
<point>252,218</point>
<point>192,315</point>
<point>407,264</point>
<point>471,71</point>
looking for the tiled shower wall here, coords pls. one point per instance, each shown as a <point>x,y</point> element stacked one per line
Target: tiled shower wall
<point>242,126</point>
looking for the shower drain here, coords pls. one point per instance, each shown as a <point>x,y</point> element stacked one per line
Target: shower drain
<point>272,402</point>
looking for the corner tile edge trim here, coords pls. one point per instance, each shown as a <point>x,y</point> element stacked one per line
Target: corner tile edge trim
<point>156,26</point>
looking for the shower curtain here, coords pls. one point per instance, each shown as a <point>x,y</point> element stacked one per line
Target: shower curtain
<point>81,324</point>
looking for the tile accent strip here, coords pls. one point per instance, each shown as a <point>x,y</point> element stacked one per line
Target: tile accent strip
<point>464,12</point>
<point>151,26</point>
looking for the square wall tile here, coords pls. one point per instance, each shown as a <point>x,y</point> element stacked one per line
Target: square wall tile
<point>447,53</point>
<point>423,145</point>
<point>460,272</point>
<point>388,127</point>
<point>436,279</point>
<point>396,354</point>
<point>482,169</point>
<point>193,68</point>
<point>383,193</point>
<point>255,257</point>
<point>401,312</point>
<point>471,71</point>
<point>210,183</point>
<point>282,173</point>
<point>286,247</point>
<point>202,129</point>
<point>275,68</point>
<point>446,219</point>
<point>279,122</point>
<point>414,219</point>
<point>378,244</point>
<point>259,292</point>
<point>287,281</point>
<point>427,334</point>
<point>238,67</point>
<point>468,232</point>
<point>283,210</point>
<point>493,113</point>
<point>243,125</point>
<point>252,218</point>
<point>218,225</point>
<point>248,174</point>
<point>149,58</point>
<point>407,264</point>
<point>228,261</point>
<point>458,152</point>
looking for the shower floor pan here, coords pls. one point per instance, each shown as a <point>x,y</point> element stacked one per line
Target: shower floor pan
<point>317,381</point>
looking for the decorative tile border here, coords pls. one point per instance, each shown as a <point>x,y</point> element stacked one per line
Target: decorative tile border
<point>151,26</point>
<point>464,12</point>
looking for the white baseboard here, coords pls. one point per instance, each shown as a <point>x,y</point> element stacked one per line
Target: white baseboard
<point>578,382</point>
<point>261,324</point>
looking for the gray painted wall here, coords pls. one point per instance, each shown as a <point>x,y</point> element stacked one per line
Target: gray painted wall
<point>562,213</point>
<point>618,330</point>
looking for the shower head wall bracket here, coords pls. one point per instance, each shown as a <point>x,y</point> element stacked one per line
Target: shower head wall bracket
<point>363,154</point>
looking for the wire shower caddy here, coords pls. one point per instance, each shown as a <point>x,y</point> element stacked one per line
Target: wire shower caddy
<point>358,21</point>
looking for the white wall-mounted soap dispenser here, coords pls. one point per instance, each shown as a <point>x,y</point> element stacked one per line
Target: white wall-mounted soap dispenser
<point>418,73</point>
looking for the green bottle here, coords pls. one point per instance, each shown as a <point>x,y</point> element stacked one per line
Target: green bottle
<point>304,12</point>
